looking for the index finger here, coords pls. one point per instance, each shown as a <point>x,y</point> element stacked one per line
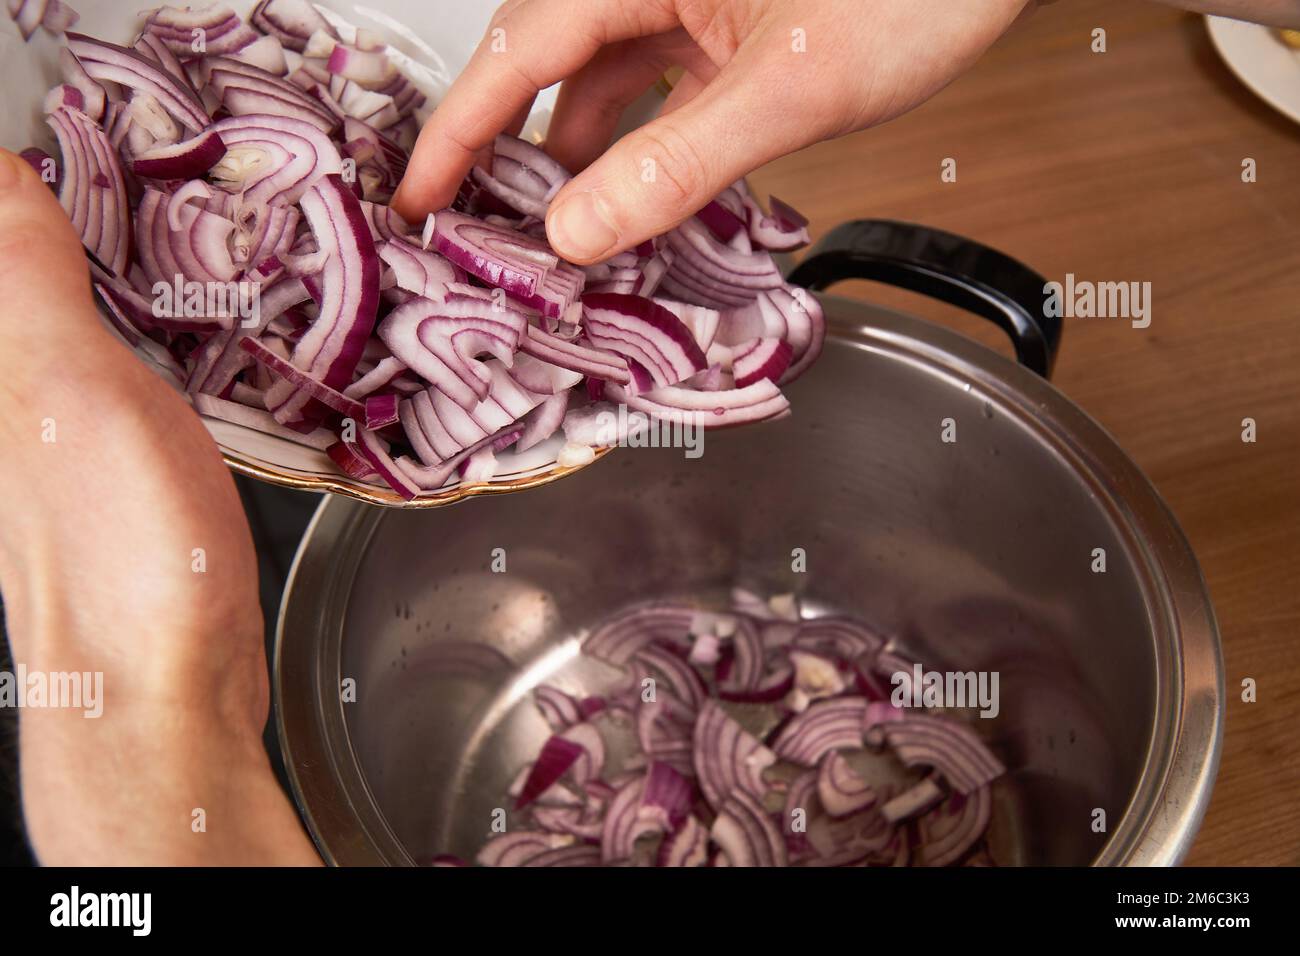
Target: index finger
<point>529,46</point>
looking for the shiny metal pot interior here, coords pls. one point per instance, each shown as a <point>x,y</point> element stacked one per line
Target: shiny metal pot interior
<point>976,554</point>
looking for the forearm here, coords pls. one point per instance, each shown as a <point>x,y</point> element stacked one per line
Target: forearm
<point>173,770</point>
<point>125,558</point>
<point>100,580</point>
<point>1276,13</point>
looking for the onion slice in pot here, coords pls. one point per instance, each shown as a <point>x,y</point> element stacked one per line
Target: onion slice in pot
<point>727,757</point>
<point>746,834</point>
<point>830,724</point>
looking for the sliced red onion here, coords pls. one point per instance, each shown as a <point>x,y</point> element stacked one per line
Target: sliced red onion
<point>838,636</point>
<point>701,258</point>
<point>560,710</point>
<point>152,47</point>
<point>92,190</point>
<point>525,268</point>
<point>330,350</point>
<point>623,823</point>
<point>815,677</point>
<point>370,68</point>
<point>798,805</point>
<point>542,377</point>
<point>273,160</point>
<point>59,17</point>
<point>912,801</point>
<point>186,160</point>
<point>596,363</point>
<point>666,798</point>
<point>265,53</point>
<point>728,759</point>
<point>591,762</point>
<point>664,726</point>
<point>578,855</point>
<point>318,391</point>
<point>417,270</point>
<point>619,639</point>
<point>374,449</point>
<point>852,840</point>
<point>220,29</point>
<point>679,676</point>
<point>950,747</point>
<point>834,723</point>
<point>746,666</point>
<point>292,22</point>
<point>746,834</point>
<point>433,477</point>
<point>116,64</point>
<point>385,224</point>
<point>585,821</point>
<point>805,325</point>
<point>42,162</point>
<point>760,359</point>
<point>198,252</point>
<point>151,125</point>
<point>247,90</point>
<point>783,231</point>
<point>644,332</point>
<point>533,160</point>
<point>558,755</point>
<point>64,95</point>
<point>686,846</point>
<point>220,359</point>
<point>719,409</point>
<point>350,462</point>
<point>139,311</point>
<point>270,236</point>
<point>722,222</point>
<point>27,15</point>
<point>517,847</point>
<point>949,830</point>
<point>258,420</point>
<point>840,789</point>
<point>92,94</point>
<point>543,421</point>
<point>441,342</point>
<point>702,321</point>
<point>516,199</point>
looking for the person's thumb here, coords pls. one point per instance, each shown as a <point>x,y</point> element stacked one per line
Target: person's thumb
<point>42,264</point>
<point>663,173</point>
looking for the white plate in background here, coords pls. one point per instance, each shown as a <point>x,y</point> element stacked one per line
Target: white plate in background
<point>1259,58</point>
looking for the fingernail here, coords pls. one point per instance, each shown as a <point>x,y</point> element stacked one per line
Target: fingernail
<point>10,171</point>
<point>581,227</point>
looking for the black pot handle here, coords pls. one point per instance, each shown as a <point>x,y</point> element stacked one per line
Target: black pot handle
<point>945,267</point>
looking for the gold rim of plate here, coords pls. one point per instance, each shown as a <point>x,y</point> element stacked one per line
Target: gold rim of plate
<point>388,498</point>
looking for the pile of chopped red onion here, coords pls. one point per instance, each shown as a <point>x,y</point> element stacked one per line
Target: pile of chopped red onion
<point>756,737</point>
<point>410,356</point>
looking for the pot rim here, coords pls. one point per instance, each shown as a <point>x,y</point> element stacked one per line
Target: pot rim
<point>1173,791</point>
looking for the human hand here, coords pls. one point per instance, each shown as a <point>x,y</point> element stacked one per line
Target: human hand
<point>108,485</point>
<point>763,78</point>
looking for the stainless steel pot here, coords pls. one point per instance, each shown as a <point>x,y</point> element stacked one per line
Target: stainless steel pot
<point>976,554</point>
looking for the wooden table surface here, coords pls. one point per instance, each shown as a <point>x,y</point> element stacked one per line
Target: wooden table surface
<point>1126,166</point>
